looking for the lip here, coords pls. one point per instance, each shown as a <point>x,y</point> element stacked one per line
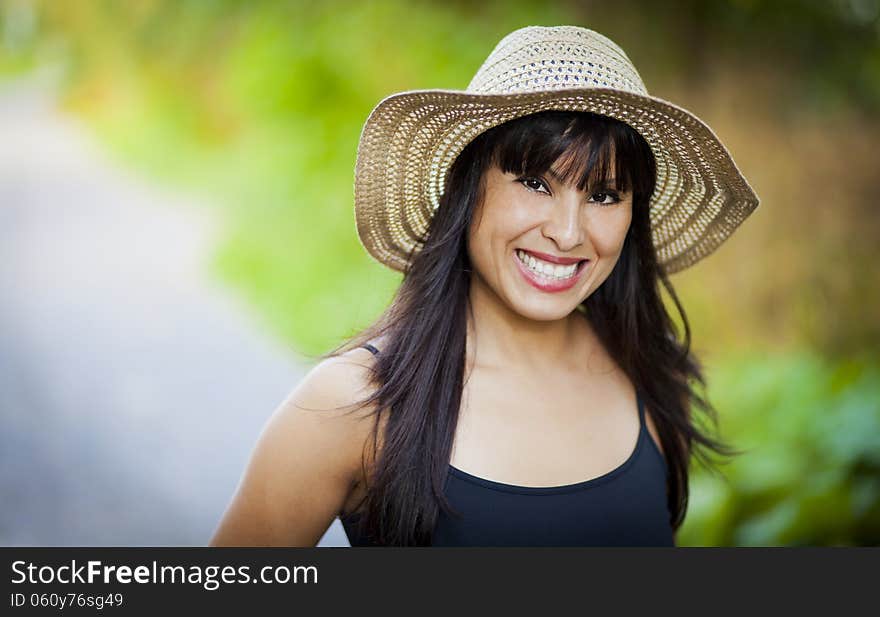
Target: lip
<point>563,261</point>
<point>550,286</point>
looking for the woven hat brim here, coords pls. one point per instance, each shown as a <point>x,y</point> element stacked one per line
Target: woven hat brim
<point>410,140</point>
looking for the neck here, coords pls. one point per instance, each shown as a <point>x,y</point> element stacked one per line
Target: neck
<point>499,336</point>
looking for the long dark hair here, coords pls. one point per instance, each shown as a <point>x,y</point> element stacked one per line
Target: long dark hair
<point>418,374</point>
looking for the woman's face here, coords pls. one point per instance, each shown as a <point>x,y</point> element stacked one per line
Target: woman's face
<point>570,239</point>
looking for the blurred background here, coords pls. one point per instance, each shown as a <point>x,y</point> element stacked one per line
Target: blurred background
<point>171,172</point>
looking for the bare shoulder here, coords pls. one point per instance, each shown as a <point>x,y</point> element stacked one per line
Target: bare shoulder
<point>307,459</point>
<point>335,384</point>
<point>325,406</point>
<point>325,403</point>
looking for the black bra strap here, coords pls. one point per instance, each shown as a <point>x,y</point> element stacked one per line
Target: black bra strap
<point>372,349</point>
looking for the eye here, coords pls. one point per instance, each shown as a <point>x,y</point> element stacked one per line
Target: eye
<point>534,184</point>
<point>614,197</point>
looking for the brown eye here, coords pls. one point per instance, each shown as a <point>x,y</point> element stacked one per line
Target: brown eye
<point>534,184</point>
<point>603,197</point>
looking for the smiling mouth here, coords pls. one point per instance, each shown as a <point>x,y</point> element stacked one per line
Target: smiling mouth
<point>549,271</point>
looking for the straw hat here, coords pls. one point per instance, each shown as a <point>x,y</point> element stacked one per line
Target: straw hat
<point>411,139</point>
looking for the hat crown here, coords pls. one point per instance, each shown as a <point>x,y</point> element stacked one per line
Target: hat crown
<point>539,58</point>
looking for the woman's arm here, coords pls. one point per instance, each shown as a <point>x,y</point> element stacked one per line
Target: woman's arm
<point>306,461</point>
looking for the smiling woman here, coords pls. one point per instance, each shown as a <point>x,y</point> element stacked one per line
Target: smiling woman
<point>526,386</point>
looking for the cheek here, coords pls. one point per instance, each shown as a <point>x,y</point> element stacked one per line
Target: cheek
<point>510,222</point>
<point>478,243</point>
<point>609,232</point>
<point>496,229</point>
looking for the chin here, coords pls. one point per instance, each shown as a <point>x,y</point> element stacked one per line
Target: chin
<point>545,313</point>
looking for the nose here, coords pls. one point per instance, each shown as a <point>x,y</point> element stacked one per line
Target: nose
<point>563,224</point>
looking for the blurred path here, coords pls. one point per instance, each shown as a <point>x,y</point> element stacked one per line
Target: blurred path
<point>132,388</point>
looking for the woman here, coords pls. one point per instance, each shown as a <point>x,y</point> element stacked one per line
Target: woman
<point>526,386</point>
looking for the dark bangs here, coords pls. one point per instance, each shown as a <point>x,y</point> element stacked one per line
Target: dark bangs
<point>582,149</point>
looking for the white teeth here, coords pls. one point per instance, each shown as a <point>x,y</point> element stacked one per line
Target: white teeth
<point>546,269</point>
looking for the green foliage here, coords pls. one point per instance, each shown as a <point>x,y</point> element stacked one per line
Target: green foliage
<point>810,473</point>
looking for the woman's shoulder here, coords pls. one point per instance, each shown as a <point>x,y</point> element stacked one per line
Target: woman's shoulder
<point>339,382</point>
<point>307,460</point>
<point>326,407</point>
<point>336,387</point>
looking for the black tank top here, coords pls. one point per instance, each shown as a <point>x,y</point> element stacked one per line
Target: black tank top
<point>625,507</point>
